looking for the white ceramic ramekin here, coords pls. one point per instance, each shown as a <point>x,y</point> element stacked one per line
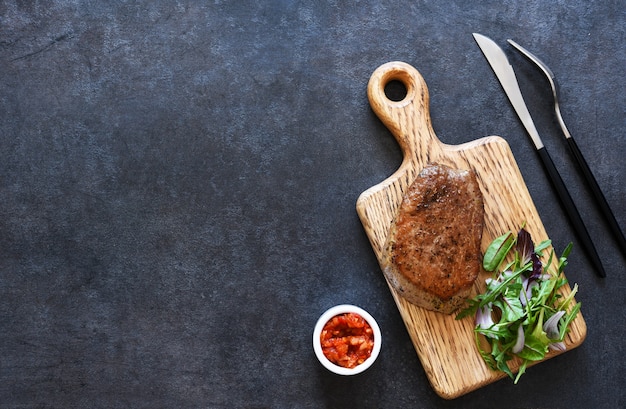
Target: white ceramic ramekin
<point>317,346</point>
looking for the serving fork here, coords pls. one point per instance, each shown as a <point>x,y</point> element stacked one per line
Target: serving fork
<point>583,167</point>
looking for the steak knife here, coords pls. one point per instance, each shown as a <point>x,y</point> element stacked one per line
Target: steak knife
<point>504,71</point>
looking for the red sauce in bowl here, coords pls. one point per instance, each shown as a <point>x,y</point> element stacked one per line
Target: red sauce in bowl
<point>347,340</point>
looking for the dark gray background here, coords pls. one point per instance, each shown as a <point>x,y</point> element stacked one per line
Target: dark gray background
<point>178,184</point>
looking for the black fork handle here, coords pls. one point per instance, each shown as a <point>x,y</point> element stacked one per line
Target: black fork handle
<point>598,196</point>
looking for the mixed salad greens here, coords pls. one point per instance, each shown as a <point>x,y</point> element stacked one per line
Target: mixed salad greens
<point>521,313</point>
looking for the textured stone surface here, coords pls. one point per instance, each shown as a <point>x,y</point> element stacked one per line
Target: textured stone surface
<point>178,180</point>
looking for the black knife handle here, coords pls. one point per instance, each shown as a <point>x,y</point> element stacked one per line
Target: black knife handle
<point>570,208</point>
<point>597,194</point>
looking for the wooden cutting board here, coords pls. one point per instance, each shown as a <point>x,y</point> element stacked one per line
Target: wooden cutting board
<point>445,346</point>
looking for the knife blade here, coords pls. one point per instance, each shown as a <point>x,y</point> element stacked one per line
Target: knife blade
<point>500,65</point>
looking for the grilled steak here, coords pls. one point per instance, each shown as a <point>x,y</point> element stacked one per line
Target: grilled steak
<point>432,256</point>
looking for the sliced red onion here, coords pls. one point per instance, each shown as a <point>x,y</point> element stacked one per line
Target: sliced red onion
<point>483,317</point>
<point>523,295</point>
<point>557,346</point>
<point>519,344</point>
<point>551,326</point>
<point>527,286</point>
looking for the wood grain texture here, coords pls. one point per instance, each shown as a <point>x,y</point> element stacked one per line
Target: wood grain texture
<point>444,345</point>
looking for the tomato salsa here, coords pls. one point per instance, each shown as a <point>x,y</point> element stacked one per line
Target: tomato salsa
<point>347,340</point>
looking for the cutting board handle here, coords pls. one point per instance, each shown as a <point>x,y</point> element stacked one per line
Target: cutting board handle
<point>408,119</point>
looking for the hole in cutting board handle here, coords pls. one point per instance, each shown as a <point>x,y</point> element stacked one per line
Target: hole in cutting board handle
<point>395,90</point>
